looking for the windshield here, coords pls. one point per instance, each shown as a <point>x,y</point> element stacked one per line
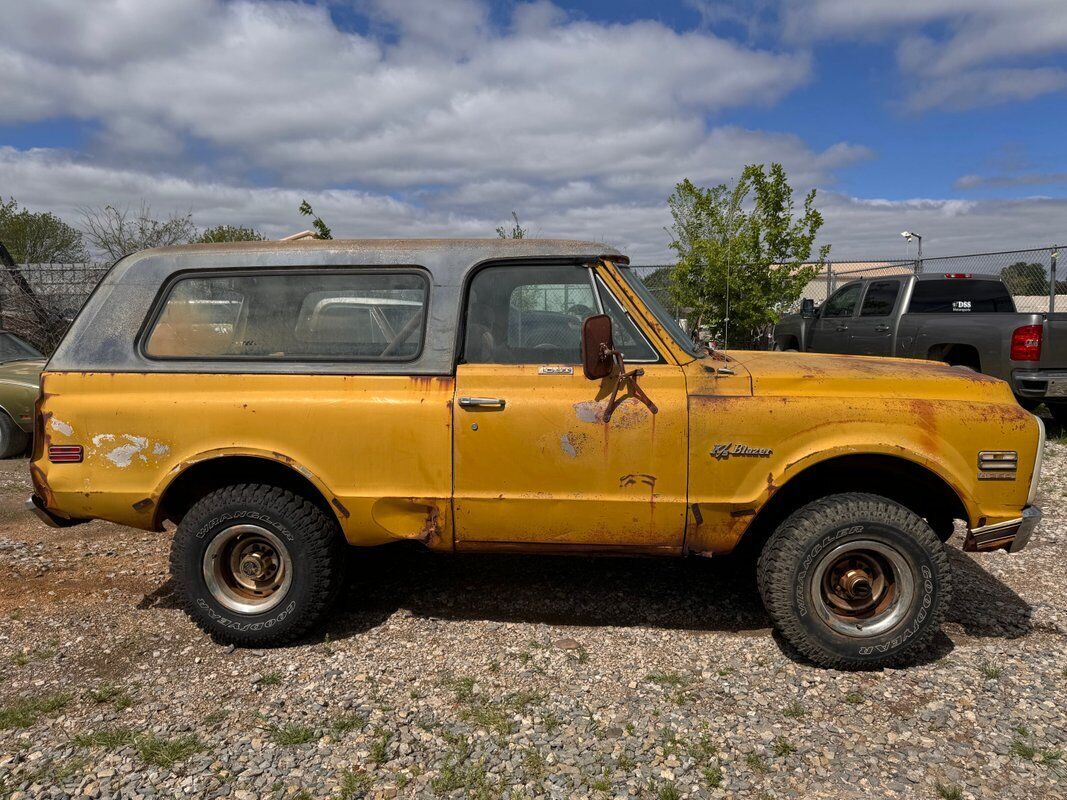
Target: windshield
<point>660,312</point>
<point>12,348</point>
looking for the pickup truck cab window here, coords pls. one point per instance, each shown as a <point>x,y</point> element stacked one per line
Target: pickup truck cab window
<point>880,299</point>
<point>843,302</point>
<point>294,316</point>
<point>960,295</point>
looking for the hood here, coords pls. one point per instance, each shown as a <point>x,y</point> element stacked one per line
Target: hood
<point>26,372</point>
<point>815,374</point>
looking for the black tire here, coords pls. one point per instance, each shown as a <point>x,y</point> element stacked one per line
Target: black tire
<point>797,565</point>
<point>309,547</point>
<point>13,439</point>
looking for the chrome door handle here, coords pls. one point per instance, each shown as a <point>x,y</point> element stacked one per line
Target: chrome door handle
<point>840,328</point>
<point>881,328</point>
<point>481,402</point>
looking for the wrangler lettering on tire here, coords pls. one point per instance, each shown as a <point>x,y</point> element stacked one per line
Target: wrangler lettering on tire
<point>256,565</point>
<point>855,581</point>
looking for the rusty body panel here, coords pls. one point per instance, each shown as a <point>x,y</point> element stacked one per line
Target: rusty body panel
<point>396,454</point>
<point>378,447</point>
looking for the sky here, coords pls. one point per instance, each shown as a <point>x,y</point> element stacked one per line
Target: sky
<point>441,117</point>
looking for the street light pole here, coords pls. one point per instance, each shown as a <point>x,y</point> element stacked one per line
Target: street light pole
<point>909,235</point>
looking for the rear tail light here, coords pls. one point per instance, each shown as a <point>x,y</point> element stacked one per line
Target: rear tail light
<point>1026,343</point>
<point>65,453</point>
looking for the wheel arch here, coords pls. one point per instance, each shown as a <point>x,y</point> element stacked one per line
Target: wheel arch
<point>190,480</point>
<point>956,354</point>
<point>910,483</point>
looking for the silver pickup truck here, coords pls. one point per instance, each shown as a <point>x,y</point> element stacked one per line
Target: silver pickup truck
<point>966,320</point>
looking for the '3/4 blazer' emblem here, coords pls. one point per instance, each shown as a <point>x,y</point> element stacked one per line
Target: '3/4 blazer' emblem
<point>721,452</point>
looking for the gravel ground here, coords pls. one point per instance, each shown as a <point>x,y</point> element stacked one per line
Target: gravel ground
<point>515,677</point>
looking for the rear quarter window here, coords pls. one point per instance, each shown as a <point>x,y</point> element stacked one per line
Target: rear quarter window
<point>959,295</point>
<point>292,316</point>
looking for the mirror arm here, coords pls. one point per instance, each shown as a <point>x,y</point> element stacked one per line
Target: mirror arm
<point>629,378</point>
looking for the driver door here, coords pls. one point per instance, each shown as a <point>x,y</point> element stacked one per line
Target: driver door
<point>830,332</point>
<point>534,462</point>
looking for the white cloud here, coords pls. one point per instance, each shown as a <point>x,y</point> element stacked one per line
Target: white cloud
<point>982,54</point>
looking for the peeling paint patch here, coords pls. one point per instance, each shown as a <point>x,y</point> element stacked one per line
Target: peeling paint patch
<point>160,449</point>
<point>122,456</point>
<point>567,447</point>
<point>121,449</point>
<point>589,411</point>
<point>59,426</point>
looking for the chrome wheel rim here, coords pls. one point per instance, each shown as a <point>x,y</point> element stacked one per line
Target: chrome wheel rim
<point>862,588</point>
<point>247,569</point>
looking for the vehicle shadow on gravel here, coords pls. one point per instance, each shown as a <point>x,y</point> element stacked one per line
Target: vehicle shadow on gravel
<point>690,594</point>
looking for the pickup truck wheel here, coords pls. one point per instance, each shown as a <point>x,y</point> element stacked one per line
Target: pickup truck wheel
<point>13,439</point>
<point>256,565</point>
<point>1058,412</point>
<point>855,581</point>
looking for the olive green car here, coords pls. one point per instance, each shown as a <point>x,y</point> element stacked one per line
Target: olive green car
<point>20,377</point>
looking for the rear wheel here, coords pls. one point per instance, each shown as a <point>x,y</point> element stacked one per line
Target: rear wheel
<point>1058,411</point>
<point>855,581</point>
<point>256,565</point>
<point>13,439</point>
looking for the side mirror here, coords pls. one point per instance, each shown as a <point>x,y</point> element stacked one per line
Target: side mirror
<point>807,308</point>
<point>597,347</point>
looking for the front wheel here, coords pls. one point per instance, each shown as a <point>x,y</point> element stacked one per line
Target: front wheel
<point>256,565</point>
<point>855,581</point>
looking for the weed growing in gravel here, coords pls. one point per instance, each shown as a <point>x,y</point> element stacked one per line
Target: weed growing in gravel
<point>601,784</point>
<point>348,722</point>
<point>534,764</point>
<point>625,763</point>
<point>855,698</point>
<point>379,746</point>
<point>668,792</point>
<point>949,792</point>
<point>50,773</point>
<point>1022,749</point>
<point>672,679</point>
<point>991,671</point>
<point>794,710</point>
<point>551,722</point>
<point>116,696</point>
<point>161,752</point>
<point>756,763</point>
<point>354,785</point>
<point>459,772</point>
<point>703,750</point>
<point>271,679</point>
<point>290,735</point>
<point>1022,730</point>
<point>713,777</point>
<point>24,713</point>
<point>109,738</point>
<point>782,747</point>
<point>215,717</point>
<point>521,701</point>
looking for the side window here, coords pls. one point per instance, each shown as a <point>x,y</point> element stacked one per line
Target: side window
<point>880,299</point>
<point>534,315</point>
<point>293,316</point>
<point>843,301</point>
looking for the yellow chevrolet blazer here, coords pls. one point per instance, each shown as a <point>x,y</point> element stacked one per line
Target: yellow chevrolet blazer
<point>280,402</point>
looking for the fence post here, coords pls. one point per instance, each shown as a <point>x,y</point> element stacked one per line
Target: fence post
<point>1052,283</point>
<point>829,280</point>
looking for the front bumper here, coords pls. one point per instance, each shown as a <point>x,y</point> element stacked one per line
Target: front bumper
<point>1011,535</point>
<point>49,518</point>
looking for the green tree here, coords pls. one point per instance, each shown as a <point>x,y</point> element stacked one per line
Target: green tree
<point>230,233</point>
<point>515,232</point>
<point>1024,277</point>
<point>39,237</point>
<point>743,252</point>
<point>322,231</point>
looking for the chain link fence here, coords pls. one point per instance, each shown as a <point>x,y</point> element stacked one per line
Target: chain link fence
<point>1032,276</point>
<point>39,301</point>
